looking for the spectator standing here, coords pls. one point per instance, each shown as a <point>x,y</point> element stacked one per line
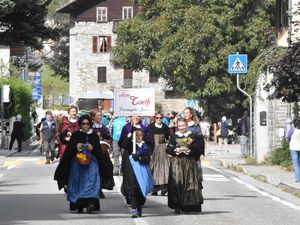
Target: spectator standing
<point>294,145</point>
<point>243,132</point>
<point>205,128</point>
<point>17,133</point>
<point>223,137</point>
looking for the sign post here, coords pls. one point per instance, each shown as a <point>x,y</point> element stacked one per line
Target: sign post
<point>238,64</point>
<point>134,102</point>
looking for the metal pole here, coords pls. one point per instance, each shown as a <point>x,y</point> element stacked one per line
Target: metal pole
<point>2,120</point>
<point>250,98</point>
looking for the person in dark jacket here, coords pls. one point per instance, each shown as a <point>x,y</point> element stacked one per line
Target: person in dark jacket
<point>137,178</point>
<point>81,182</point>
<point>48,132</point>
<point>17,133</point>
<point>185,178</point>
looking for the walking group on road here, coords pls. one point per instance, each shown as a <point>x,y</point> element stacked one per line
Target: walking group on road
<point>156,158</point>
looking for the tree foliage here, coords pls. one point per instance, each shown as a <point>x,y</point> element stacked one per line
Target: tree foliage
<point>286,70</point>
<point>187,42</point>
<point>23,22</point>
<point>58,59</point>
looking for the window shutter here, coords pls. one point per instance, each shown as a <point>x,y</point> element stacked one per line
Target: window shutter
<point>153,78</point>
<point>127,74</point>
<point>108,43</point>
<point>95,44</point>
<point>102,74</point>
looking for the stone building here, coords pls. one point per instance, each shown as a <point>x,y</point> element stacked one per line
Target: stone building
<point>272,117</point>
<point>93,26</point>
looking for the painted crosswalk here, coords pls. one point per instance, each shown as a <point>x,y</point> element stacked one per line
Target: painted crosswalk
<point>215,177</point>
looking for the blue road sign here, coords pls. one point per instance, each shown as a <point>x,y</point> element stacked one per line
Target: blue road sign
<point>237,64</point>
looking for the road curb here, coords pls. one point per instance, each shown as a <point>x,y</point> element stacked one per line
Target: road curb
<point>289,188</point>
<point>262,178</point>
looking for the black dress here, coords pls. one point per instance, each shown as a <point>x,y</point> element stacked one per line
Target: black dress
<point>185,179</point>
<point>130,187</point>
<point>160,161</point>
<point>66,165</point>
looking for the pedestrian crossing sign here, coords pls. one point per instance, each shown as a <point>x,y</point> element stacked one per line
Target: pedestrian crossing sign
<point>237,64</point>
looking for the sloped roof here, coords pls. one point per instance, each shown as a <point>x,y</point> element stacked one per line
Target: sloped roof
<point>76,5</point>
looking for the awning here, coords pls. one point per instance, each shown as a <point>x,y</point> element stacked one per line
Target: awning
<point>97,95</point>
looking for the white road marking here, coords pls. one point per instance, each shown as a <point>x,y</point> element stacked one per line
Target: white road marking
<point>215,177</point>
<point>1,175</point>
<point>10,167</point>
<point>263,193</point>
<point>137,221</point>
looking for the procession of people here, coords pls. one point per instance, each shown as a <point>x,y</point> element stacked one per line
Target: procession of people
<point>161,157</point>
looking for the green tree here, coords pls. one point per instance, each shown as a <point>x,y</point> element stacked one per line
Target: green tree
<point>23,22</point>
<point>187,42</point>
<point>59,57</point>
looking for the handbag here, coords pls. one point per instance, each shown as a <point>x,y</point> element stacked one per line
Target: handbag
<point>83,155</point>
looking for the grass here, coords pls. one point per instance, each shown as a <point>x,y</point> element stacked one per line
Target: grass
<point>250,161</point>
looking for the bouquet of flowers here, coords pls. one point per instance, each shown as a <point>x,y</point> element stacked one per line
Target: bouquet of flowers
<point>83,155</point>
<point>182,145</point>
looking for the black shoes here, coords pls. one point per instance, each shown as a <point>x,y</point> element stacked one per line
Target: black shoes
<point>177,211</point>
<point>90,209</point>
<point>164,192</point>
<point>136,213</point>
<point>102,196</point>
<point>80,210</point>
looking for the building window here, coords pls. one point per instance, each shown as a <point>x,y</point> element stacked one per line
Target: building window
<point>101,14</point>
<point>153,78</point>
<point>127,12</point>
<point>101,44</point>
<point>128,78</point>
<point>282,7</point>
<point>102,74</point>
<point>115,25</point>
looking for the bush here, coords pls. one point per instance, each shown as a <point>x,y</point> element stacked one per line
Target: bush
<point>20,101</point>
<point>281,156</point>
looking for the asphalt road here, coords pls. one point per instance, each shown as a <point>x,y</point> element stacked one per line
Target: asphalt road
<point>28,195</point>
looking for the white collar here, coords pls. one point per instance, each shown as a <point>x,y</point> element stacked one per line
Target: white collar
<point>186,134</point>
<point>72,120</point>
<point>158,126</point>
<point>191,123</point>
<point>89,132</point>
<point>136,125</point>
<point>140,144</point>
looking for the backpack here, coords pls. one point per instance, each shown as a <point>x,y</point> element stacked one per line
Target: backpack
<point>224,129</point>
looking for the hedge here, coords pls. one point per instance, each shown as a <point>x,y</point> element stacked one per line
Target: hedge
<point>20,102</point>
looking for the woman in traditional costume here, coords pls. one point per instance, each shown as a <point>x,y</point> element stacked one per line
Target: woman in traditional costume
<point>160,161</point>
<point>137,178</point>
<point>68,126</point>
<point>78,170</point>
<point>193,123</point>
<point>185,179</point>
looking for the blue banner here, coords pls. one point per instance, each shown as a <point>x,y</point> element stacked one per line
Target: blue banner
<point>118,124</point>
<point>36,91</point>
